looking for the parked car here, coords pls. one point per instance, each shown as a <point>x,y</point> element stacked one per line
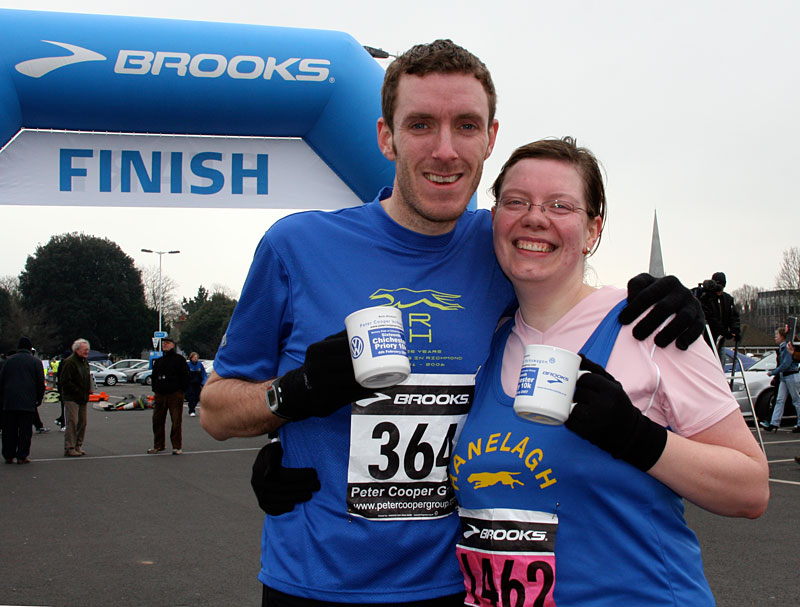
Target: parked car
<point>106,375</point>
<point>208,364</point>
<point>762,391</point>
<point>745,361</point>
<point>130,366</point>
<point>144,377</point>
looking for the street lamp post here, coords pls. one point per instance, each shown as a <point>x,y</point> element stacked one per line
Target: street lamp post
<point>160,292</point>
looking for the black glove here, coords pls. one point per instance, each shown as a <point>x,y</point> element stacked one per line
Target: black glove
<point>323,384</point>
<point>669,297</point>
<point>604,415</point>
<point>278,489</point>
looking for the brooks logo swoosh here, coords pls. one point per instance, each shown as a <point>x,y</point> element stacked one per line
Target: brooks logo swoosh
<point>36,68</point>
<point>472,531</point>
<point>366,402</point>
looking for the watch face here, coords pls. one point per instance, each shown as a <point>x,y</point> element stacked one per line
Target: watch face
<point>274,397</point>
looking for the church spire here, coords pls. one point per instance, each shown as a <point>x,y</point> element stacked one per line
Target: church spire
<point>656,261</point>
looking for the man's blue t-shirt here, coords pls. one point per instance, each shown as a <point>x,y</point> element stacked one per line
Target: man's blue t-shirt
<point>382,528</point>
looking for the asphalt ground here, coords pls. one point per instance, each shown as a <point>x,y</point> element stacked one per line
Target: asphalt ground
<point>119,527</point>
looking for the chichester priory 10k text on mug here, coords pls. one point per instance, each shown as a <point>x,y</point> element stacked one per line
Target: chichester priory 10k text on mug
<point>378,346</point>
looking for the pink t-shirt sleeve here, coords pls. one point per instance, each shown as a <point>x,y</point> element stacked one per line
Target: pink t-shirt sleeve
<point>683,390</point>
<point>693,389</point>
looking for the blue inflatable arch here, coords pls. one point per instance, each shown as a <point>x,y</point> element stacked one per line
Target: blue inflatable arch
<point>140,75</point>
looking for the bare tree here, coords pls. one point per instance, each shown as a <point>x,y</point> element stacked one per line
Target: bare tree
<point>746,297</point>
<point>220,289</point>
<point>171,309</point>
<point>16,321</point>
<point>787,282</point>
<point>789,274</point>
<point>10,284</point>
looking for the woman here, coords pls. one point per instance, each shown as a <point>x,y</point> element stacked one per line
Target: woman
<point>197,377</point>
<point>789,382</point>
<point>590,513</point>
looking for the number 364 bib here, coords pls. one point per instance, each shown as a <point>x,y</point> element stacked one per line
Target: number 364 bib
<point>400,446</point>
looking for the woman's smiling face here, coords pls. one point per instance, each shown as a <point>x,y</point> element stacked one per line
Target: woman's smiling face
<point>534,246</point>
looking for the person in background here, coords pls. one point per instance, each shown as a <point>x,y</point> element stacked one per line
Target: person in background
<point>55,365</point>
<point>590,512</point>
<point>197,377</point>
<point>38,423</point>
<point>21,392</point>
<point>789,382</point>
<point>170,379</point>
<point>76,384</point>
<point>354,538</point>
<point>720,311</point>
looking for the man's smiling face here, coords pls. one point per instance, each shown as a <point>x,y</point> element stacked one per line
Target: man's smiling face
<point>440,140</point>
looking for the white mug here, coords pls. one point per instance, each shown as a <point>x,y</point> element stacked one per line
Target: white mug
<point>547,384</point>
<point>378,346</point>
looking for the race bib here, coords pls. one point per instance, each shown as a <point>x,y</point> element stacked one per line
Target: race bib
<point>507,557</point>
<point>400,446</point>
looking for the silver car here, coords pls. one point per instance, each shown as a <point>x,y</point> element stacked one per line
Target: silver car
<point>144,377</point>
<point>130,367</point>
<point>107,376</point>
<point>762,391</point>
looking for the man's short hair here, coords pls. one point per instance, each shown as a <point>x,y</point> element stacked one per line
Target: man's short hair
<point>437,57</point>
<point>78,343</point>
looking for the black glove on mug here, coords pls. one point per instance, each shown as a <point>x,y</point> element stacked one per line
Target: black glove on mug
<point>667,296</point>
<point>279,489</point>
<point>323,384</point>
<point>605,416</point>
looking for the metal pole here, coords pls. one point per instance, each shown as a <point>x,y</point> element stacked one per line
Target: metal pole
<point>160,287</point>
<point>713,344</point>
<point>735,360</point>
<point>752,409</point>
<point>160,295</point>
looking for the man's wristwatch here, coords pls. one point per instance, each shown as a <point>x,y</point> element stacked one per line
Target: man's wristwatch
<point>273,397</point>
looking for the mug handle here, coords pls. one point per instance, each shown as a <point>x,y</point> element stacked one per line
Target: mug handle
<point>580,372</point>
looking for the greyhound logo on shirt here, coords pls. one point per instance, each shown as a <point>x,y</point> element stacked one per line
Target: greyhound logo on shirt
<point>487,479</point>
<point>407,298</point>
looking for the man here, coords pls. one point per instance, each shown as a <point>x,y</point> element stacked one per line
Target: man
<point>720,311</point>
<point>76,384</point>
<point>54,367</point>
<point>39,424</point>
<point>381,527</point>
<point>170,379</point>
<point>21,392</point>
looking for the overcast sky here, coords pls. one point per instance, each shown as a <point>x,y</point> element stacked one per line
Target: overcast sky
<point>691,106</point>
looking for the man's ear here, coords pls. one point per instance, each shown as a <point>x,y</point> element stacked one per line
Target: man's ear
<point>385,139</point>
<point>492,138</point>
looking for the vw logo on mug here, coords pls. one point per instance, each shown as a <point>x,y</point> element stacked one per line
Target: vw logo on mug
<point>356,346</point>
<point>378,346</point>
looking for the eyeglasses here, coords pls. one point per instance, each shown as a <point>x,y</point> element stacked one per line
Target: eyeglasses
<point>552,208</point>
